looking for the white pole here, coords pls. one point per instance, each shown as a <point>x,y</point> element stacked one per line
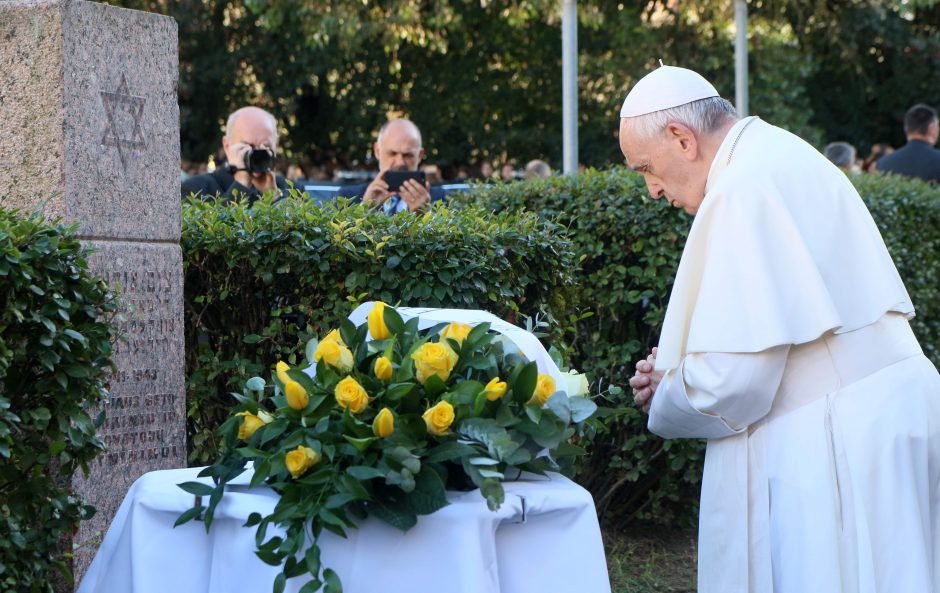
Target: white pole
<point>569,85</point>
<point>740,56</point>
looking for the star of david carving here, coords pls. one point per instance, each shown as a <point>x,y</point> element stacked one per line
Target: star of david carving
<point>121,99</point>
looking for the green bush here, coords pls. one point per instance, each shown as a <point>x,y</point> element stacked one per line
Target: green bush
<point>55,348</point>
<point>630,245</point>
<point>261,281</point>
<point>907,211</point>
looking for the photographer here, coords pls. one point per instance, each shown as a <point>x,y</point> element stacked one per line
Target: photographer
<point>397,149</point>
<point>250,145</point>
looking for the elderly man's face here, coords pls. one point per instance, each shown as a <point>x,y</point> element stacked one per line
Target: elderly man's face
<point>663,162</point>
<point>399,149</point>
<point>253,129</point>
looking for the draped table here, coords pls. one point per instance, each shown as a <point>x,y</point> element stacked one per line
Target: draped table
<point>545,538</point>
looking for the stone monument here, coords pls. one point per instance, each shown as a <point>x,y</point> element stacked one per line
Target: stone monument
<point>88,99</point>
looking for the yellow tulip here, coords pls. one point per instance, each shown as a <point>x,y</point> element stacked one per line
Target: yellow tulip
<point>376,319</point>
<point>384,423</point>
<point>434,358</point>
<point>456,331</point>
<point>250,424</point>
<point>350,394</point>
<point>383,369</point>
<point>439,418</point>
<point>300,460</point>
<point>297,397</point>
<point>281,370</point>
<point>495,389</point>
<point>544,388</point>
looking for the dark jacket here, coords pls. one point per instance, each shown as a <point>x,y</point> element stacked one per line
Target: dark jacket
<point>222,183</point>
<point>914,159</point>
<point>356,192</point>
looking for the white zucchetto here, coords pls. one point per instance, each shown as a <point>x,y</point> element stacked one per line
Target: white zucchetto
<point>665,88</point>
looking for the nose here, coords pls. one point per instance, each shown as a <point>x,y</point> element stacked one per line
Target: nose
<point>656,190</point>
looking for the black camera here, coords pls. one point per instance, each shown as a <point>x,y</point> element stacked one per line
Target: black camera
<point>259,160</point>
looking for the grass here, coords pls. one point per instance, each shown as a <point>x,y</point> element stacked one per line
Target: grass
<point>650,559</point>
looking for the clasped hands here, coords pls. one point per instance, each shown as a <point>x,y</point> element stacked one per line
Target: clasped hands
<point>413,193</point>
<point>645,381</point>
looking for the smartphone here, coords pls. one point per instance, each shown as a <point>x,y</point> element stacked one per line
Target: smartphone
<point>395,179</point>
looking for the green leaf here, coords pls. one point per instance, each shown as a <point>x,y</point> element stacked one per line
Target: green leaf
<point>447,451</point>
<point>581,408</point>
<point>76,371</point>
<point>197,488</point>
<point>189,515</point>
<point>393,321</point>
<point>312,559</point>
<point>360,444</point>
<point>524,383</point>
<point>251,339</point>
<point>395,516</point>
<point>558,403</point>
<point>363,472</point>
<point>433,386</point>
<point>332,582</point>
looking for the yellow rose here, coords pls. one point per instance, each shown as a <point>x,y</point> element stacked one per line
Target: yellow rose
<point>383,369</point>
<point>376,320</point>
<point>250,424</point>
<point>456,331</point>
<point>495,389</point>
<point>384,423</point>
<point>439,418</point>
<point>281,370</point>
<point>434,359</point>
<point>350,394</point>
<point>544,388</point>
<point>300,460</point>
<point>335,354</point>
<point>334,336</point>
<point>297,397</point>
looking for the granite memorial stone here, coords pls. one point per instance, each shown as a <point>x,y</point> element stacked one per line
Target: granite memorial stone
<point>88,98</point>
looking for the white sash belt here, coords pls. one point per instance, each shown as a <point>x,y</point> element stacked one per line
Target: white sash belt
<point>836,360</point>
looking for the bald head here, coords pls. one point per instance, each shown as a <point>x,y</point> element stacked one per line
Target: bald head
<point>398,147</point>
<point>251,125</point>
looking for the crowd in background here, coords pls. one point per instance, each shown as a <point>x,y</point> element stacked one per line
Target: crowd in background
<point>917,158</point>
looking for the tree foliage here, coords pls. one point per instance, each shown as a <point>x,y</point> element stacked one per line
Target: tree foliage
<point>482,78</point>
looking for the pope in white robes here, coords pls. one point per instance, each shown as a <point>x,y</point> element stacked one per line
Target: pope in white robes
<point>786,344</point>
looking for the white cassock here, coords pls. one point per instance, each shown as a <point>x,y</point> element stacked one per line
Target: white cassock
<point>787,345</point>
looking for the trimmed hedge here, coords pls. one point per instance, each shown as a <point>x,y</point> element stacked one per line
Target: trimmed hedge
<point>260,281</point>
<point>55,348</point>
<point>630,245</point>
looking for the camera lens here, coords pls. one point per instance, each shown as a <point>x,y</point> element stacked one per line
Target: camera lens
<point>259,160</point>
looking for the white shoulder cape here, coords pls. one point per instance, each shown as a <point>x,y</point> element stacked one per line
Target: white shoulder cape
<point>781,251</point>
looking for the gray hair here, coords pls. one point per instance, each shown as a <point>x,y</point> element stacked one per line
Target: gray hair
<point>230,123</point>
<point>702,117</point>
<point>842,154</point>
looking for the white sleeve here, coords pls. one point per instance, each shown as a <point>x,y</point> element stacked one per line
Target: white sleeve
<point>713,395</point>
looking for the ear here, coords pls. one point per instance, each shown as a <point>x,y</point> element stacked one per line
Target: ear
<point>375,150</point>
<point>684,137</point>
<point>420,155</point>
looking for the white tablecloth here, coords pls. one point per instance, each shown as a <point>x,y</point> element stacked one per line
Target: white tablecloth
<point>544,539</point>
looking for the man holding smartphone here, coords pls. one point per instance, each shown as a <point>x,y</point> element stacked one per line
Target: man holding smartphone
<point>398,150</point>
